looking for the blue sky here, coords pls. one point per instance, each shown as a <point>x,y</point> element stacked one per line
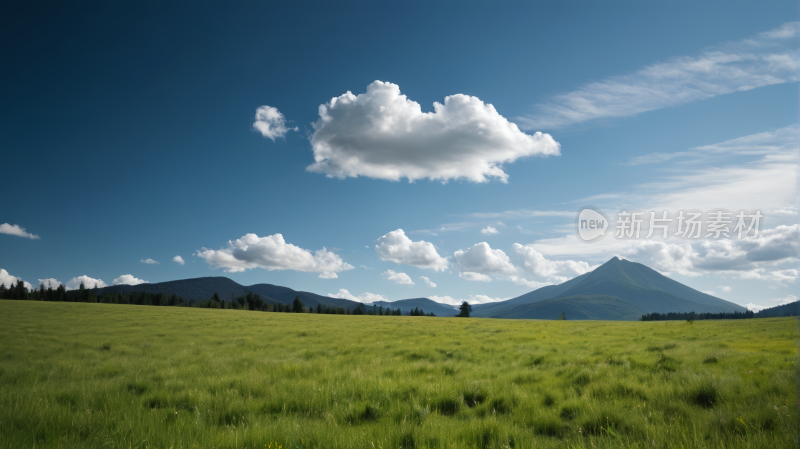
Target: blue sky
<point>128,135</point>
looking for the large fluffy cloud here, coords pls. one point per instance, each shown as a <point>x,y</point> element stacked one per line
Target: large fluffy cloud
<point>482,259</point>
<point>50,283</point>
<point>8,280</point>
<point>472,299</point>
<point>535,263</point>
<point>398,278</point>
<point>127,279</point>
<point>271,123</point>
<point>765,59</point>
<point>74,283</point>
<point>364,297</point>
<point>382,134</point>
<point>748,258</point>
<point>10,229</point>
<point>398,248</point>
<point>272,253</point>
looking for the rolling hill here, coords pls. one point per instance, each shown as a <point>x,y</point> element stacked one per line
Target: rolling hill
<point>197,289</point>
<point>618,289</point>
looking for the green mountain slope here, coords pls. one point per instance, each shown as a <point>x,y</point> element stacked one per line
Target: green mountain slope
<point>286,295</point>
<point>198,289</point>
<point>643,288</point>
<point>580,307</point>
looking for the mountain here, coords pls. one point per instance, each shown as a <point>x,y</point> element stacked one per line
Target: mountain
<point>618,289</point>
<point>197,289</point>
<point>791,309</point>
<point>424,304</point>
<point>286,295</point>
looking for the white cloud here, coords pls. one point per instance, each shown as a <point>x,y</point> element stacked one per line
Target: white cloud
<point>179,260</point>
<point>382,134</point>
<point>489,230</point>
<point>10,281</point>
<point>535,263</point>
<point>149,261</point>
<point>482,259</point>
<point>785,300</point>
<point>328,275</point>
<point>271,253</point>
<point>366,267</point>
<point>754,307</point>
<point>766,59</point>
<point>398,278</point>
<point>271,123</point>
<point>472,276</point>
<point>396,247</point>
<point>523,213</point>
<point>473,299</point>
<point>709,292</point>
<point>50,283</point>
<point>428,281</point>
<point>127,279</point>
<point>363,298</point>
<point>10,229</point>
<point>74,283</point>
<point>724,288</point>
<point>532,284</point>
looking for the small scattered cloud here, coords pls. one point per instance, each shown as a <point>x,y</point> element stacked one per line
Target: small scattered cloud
<point>150,261</point>
<point>489,230</point>
<point>9,281</point>
<point>328,275</point>
<point>724,288</point>
<point>532,284</point>
<point>366,267</point>
<point>179,260</point>
<point>272,253</point>
<point>472,276</point>
<point>16,230</point>
<point>428,281</point>
<point>363,298</point>
<point>398,248</point>
<point>127,279</point>
<point>74,283</point>
<point>271,123</point>
<point>398,278</point>
<point>382,134</point>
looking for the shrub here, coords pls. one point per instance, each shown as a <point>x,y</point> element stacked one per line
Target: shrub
<point>705,395</point>
<point>710,359</point>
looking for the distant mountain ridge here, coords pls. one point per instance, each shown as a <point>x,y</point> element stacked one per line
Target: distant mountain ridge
<point>618,289</point>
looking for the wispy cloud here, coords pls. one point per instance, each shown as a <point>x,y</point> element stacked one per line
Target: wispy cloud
<point>16,230</point>
<point>150,261</point>
<point>765,59</point>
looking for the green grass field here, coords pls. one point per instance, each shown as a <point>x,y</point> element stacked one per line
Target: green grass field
<point>113,376</point>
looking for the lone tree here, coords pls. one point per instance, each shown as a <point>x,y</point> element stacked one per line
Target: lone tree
<point>297,305</point>
<point>465,310</point>
<point>562,316</point>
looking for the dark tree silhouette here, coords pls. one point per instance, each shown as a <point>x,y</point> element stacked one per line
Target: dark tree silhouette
<point>465,309</point>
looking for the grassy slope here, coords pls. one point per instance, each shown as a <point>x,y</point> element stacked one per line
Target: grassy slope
<point>241,379</point>
<point>579,307</point>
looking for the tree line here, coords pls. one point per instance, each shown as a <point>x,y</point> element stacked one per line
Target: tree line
<point>249,301</point>
<point>692,316</point>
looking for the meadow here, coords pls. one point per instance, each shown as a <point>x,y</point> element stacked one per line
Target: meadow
<point>117,376</point>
